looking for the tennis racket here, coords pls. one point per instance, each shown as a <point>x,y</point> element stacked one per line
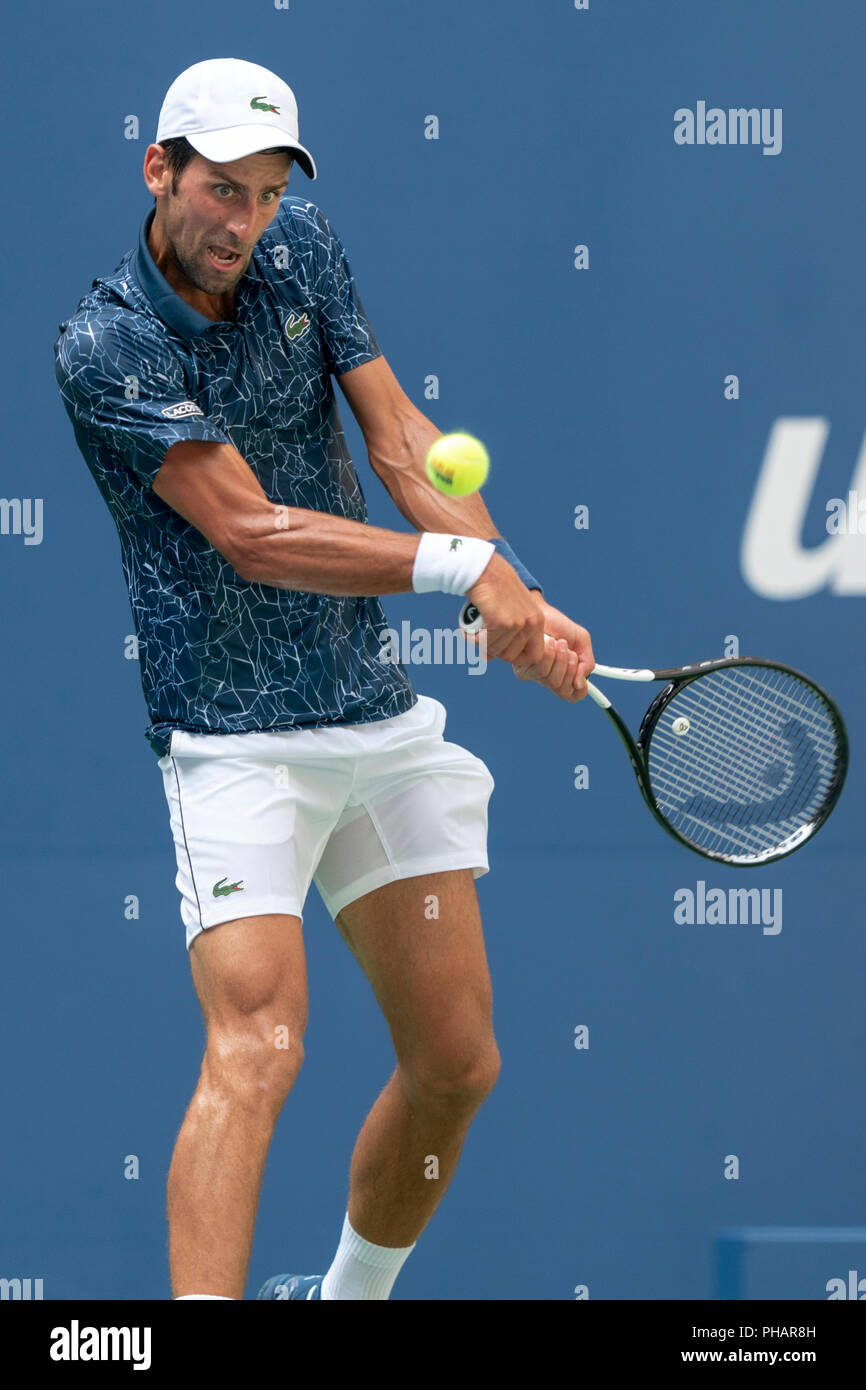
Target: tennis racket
<point>740,759</point>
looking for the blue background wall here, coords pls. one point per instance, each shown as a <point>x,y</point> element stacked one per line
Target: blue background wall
<point>605,387</point>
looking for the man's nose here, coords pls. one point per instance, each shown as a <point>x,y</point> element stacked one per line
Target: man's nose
<point>238,225</point>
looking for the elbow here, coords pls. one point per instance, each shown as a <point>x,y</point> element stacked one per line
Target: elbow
<point>245,558</point>
<point>241,564</point>
<point>233,546</point>
<point>252,544</point>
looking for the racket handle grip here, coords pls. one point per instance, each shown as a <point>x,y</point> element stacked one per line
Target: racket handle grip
<point>470,617</point>
<point>472,621</point>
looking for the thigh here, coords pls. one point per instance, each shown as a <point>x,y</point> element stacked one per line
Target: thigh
<point>421,945</point>
<point>250,974</point>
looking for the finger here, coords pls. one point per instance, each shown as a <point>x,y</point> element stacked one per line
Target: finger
<point>564,686</point>
<point>562,677</point>
<point>542,669</point>
<point>585,666</point>
<point>503,645</point>
<point>558,674</point>
<point>579,689</point>
<point>527,646</point>
<point>494,644</point>
<point>576,692</point>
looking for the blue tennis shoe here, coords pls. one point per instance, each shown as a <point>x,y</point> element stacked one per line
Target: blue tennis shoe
<point>292,1286</point>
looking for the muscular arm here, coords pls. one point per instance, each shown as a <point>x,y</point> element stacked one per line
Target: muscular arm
<point>213,487</point>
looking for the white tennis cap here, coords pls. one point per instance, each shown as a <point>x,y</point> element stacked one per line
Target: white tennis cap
<point>228,108</point>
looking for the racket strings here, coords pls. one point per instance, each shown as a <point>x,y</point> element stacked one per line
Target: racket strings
<point>739,793</point>
<point>708,748</point>
<point>755,763</point>
<point>761,715</point>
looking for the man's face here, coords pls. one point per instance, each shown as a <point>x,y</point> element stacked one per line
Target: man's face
<point>218,214</point>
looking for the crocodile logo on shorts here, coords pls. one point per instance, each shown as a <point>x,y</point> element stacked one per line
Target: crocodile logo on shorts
<point>222,892</point>
<point>296,326</point>
<point>454,544</point>
<point>262,104</point>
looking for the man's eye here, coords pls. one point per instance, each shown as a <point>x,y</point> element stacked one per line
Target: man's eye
<point>222,188</point>
<point>269,195</point>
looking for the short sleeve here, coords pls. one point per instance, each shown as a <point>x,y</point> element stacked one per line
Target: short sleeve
<point>348,338</point>
<point>125,388</point>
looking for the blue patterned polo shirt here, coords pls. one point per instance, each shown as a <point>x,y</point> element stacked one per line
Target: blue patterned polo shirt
<point>140,369</point>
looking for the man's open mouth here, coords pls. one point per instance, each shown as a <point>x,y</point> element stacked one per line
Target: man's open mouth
<point>223,257</point>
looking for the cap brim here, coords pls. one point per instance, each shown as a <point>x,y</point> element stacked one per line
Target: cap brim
<point>224,146</point>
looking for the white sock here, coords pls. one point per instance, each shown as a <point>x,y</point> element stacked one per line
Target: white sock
<point>224,1296</point>
<point>362,1270</point>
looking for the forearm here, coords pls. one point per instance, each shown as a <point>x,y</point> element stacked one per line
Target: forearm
<point>290,548</point>
<point>399,463</point>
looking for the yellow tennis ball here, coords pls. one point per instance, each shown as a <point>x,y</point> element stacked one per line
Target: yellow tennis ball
<point>457,464</point>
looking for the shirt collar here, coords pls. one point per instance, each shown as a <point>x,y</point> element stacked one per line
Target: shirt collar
<point>172,309</point>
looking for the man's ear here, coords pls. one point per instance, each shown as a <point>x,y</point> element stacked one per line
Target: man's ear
<point>157,174</point>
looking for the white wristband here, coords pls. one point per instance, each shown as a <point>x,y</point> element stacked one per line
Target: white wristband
<point>449,564</point>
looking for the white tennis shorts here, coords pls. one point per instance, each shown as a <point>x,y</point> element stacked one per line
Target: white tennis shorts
<point>256,817</point>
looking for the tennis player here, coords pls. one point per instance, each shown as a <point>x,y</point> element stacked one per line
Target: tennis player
<point>198,380</point>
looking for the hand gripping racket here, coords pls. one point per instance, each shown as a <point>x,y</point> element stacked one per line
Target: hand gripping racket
<point>742,760</point>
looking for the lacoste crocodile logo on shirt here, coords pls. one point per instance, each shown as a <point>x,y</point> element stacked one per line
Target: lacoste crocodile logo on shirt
<point>222,892</point>
<point>296,326</point>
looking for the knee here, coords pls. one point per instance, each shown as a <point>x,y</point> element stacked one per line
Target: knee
<point>255,1062</point>
<point>457,1080</point>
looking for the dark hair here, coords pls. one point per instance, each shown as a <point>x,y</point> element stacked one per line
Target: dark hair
<point>179,153</point>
